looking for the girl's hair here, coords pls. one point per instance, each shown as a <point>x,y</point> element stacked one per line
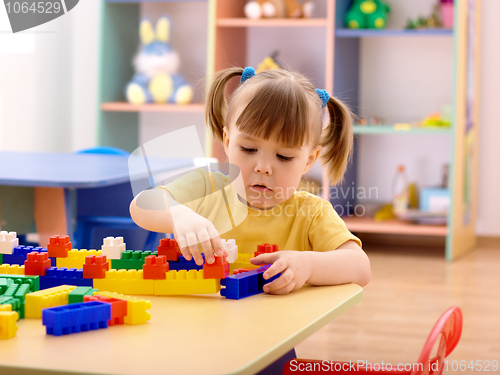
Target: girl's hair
<point>284,106</point>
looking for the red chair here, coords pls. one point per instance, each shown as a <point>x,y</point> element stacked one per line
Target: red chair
<point>447,329</point>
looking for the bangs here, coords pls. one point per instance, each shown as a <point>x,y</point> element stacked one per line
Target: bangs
<point>278,110</point>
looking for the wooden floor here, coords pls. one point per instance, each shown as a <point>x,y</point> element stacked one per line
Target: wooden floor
<point>410,289</point>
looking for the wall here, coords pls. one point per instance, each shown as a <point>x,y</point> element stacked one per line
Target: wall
<point>49,88</point>
<point>84,83</point>
<point>488,222</point>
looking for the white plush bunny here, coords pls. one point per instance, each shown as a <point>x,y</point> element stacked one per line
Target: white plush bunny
<point>156,79</point>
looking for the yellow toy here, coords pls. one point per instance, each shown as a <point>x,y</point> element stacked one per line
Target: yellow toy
<point>76,258</point>
<point>256,9</point>
<point>42,299</point>
<point>136,307</point>
<point>8,324</point>
<point>436,120</point>
<point>126,282</point>
<point>11,269</point>
<point>186,282</point>
<point>269,62</point>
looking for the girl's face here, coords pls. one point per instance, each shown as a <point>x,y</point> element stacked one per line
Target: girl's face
<point>271,171</point>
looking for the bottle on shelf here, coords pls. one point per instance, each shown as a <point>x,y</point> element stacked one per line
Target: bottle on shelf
<point>400,196</point>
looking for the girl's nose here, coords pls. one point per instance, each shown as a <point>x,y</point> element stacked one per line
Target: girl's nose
<point>263,167</point>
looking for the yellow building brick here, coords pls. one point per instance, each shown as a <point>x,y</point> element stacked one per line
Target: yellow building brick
<point>11,269</point>
<point>243,261</point>
<point>8,324</point>
<point>76,258</point>
<point>186,282</point>
<point>126,282</point>
<point>6,307</point>
<point>136,308</point>
<point>42,299</point>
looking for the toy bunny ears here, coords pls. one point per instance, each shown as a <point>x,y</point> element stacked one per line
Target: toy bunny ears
<point>150,33</point>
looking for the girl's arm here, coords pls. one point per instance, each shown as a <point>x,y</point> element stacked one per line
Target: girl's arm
<point>347,264</point>
<point>150,210</point>
<point>157,211</point>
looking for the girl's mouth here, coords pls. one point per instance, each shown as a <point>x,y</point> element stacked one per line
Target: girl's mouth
<point>259,187</point>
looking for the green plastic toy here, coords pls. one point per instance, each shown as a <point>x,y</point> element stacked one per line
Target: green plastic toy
<point>367,14</point>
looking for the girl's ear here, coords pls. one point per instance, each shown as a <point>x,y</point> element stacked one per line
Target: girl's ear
<point>313,156</point>
<point>163,27</point>
<point>146,32</point>
<point>225,140</point>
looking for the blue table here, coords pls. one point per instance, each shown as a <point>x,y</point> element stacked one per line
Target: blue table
<point>54,175</point>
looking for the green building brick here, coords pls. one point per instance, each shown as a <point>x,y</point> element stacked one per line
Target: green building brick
<point>32,281</point>
<point>77,294</point>
<point>131,260</point>
<point>16,292</point>
<point>4,283</point>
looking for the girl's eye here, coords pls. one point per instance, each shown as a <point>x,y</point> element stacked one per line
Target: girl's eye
<point>248,150</point>
<point>284,158</point>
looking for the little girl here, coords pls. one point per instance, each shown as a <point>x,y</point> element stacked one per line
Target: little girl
<point>272,131</point>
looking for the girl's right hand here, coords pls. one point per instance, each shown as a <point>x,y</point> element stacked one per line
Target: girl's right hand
<point>191,229</point>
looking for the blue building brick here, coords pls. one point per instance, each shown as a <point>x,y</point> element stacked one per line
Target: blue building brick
<point>20,254</point>
<point>245,284</point>
<point>77,317</point>
<point>183,264</point>
<point>63,276</point>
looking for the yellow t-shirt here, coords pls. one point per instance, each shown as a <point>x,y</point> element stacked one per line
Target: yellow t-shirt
<point>303,222</point>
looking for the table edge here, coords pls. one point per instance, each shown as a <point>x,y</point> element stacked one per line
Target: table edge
<point>281,349</point>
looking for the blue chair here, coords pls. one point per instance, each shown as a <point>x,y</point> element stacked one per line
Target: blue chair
<point>103,212</point>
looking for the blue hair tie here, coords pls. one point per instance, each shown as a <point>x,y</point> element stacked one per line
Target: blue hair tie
<point>324,96</point>
<point>247,73</point>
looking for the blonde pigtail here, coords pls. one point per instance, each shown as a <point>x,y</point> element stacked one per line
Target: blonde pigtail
<point>337,140</point>
<point>215,104</point>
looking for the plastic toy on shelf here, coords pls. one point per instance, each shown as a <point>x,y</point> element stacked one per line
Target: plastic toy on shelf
<point>256,9</point>
<point>157,79</point>
<point>367,14</point>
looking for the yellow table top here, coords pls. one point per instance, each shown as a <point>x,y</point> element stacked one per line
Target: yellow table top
<point>186,335</point>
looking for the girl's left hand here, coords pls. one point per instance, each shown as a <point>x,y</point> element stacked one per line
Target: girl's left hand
<point>294,266</point>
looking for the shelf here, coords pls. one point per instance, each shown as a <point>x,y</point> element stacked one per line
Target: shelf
<point>272,22</point>
<point>390,129</point>
<point>369,225</point>
<point>127,107</point>
<point>360,33</point>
